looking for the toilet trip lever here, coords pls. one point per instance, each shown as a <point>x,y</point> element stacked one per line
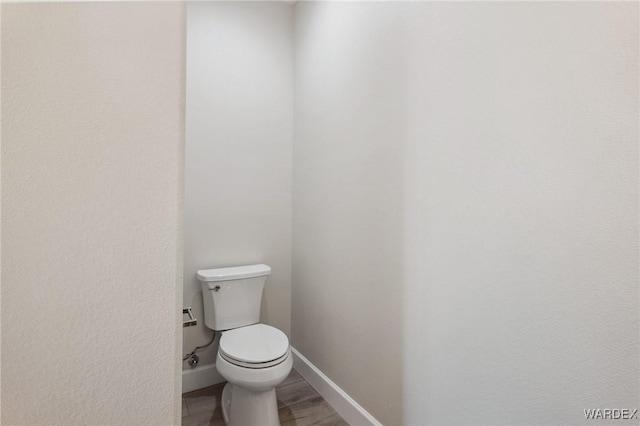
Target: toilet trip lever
<point>190,321</point>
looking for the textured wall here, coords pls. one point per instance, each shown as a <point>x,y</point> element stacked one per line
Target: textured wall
<point>521,212</point>
<point>466,207</point>
<point>239,141</point>
<point>92,139</point>
<point>348,193</point>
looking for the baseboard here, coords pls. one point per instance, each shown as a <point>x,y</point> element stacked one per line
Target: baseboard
<point>348,409</point>
<point>200,377</point>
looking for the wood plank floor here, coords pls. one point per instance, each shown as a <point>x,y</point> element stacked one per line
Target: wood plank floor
<point>298,403</point>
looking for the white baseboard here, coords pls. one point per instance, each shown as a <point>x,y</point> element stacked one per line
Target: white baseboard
<point>200,377</point>
<point>348,409</point>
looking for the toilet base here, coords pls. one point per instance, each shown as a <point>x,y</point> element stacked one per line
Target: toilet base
<point>245,407</point>
<point>226,402</point>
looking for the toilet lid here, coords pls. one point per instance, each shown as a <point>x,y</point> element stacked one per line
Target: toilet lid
<point>256,343</point>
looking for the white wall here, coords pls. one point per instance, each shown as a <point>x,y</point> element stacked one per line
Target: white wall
<point>347,247</point>
<point>92,139</point>
<point>238,154</point>
<point>466,207</point>
<point>521,212</point>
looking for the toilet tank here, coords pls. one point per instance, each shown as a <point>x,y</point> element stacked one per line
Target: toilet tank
<point>232,296</point>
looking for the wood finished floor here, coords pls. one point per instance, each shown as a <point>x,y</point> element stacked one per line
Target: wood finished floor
<point>298,405</point>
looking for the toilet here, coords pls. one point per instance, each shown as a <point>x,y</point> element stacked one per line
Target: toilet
<point>254,358</point>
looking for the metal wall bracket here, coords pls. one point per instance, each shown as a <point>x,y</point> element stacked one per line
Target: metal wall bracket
<point>190,320</point>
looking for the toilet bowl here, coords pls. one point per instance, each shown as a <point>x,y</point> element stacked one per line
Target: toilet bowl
<point>254,360</point>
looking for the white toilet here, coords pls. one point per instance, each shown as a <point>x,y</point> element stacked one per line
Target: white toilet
<point>254,358</point>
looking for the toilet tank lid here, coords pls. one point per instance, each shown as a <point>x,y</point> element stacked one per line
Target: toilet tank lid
<point>233,273</point>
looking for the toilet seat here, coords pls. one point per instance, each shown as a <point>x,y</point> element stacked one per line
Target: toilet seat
<point>254,346</point>
<point>256,365</point>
